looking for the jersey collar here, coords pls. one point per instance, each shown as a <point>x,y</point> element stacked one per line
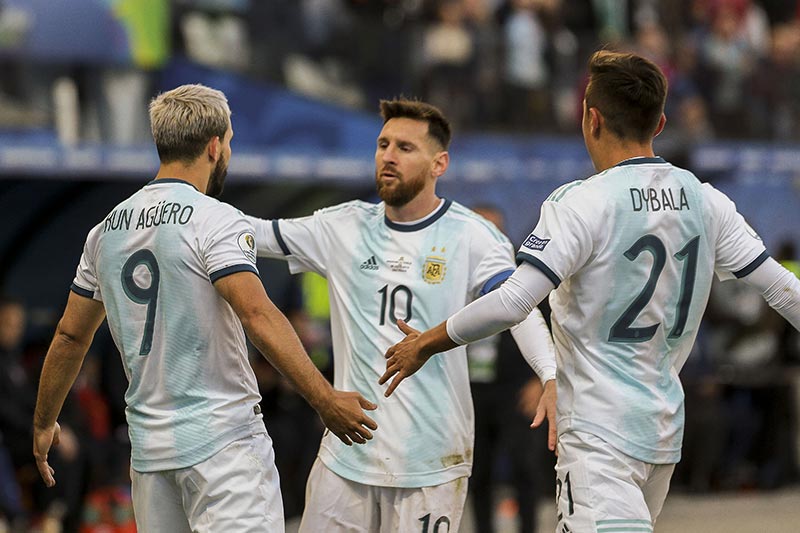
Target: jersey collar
<point>420,225</point>
<point>171,180</point>
<point>640,161</point>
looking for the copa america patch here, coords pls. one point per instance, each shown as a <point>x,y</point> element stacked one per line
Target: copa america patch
<point>247,243</point>
<point>535,243</point>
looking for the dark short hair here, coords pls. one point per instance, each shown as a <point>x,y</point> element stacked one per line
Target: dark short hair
<point>438,125</point>
<point>629,91</point>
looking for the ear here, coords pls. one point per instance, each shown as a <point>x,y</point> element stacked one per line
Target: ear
<point>440,164</point>
<point>596,122</point>
<point>661,122</point>
<point>214,149</point>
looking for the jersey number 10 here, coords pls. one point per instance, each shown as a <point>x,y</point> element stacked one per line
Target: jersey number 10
<point>389,299</point>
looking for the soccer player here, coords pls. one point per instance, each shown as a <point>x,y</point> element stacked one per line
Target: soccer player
<point>174,272</point>
<point>632,251</point>
<point>414,258</point>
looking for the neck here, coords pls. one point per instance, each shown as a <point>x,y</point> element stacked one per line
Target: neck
<point>608,154</point>
<point>422,205</point>
<point>193,173</point>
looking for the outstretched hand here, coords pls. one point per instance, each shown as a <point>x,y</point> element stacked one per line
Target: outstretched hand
<point>43,440</point>
<point>403,359</point>
<point>344,416</point>
<point>547,409</point>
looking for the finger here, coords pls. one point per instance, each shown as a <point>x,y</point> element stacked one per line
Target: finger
<point>386,375</point>
<point>365,433</point>
<point>390,352</point>
<point>344,438</point>
<point>46,471</point>
<point>370,423</point>
<point>539,418</point>
<point>552,432</point>
<point>366,404</point>
<point>356,437</point>
<point>404,327</point>
<point>393,385</point>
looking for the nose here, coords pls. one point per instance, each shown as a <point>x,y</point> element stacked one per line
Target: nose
<point>388,154</point>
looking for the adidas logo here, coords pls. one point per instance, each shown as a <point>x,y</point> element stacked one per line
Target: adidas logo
<point>370,264</point>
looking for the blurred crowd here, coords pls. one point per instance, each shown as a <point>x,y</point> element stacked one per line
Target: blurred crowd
<point>517,65</point>
<point>492,65</point>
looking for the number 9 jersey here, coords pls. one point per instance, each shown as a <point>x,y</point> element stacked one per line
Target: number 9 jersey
<point>632,251</point>
<point>152,262</point>
<point>380,271</point>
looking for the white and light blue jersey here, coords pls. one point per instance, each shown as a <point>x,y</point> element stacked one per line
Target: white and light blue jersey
<point>379,271</point>
<point>152,262</point>
<point>632,252</point>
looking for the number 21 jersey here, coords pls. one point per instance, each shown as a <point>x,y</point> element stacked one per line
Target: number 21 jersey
<point>632,251</point>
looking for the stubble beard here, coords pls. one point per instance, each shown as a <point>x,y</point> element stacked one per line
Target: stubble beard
<point>216,181</point>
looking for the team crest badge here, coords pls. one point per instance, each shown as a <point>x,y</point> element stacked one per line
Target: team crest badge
<point>247,243</point>
<point>434,269</point>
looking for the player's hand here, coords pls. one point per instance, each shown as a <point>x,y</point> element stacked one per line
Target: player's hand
<point>547,409</point>
<point>344,416</point>
<point>43,439</point>
<point>529,396</point>
<point>403,359</point>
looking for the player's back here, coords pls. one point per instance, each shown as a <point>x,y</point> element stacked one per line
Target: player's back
<point>626,319</point>
<point>155,256</point>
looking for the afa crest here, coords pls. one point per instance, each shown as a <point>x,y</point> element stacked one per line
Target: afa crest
<point>434,269</point>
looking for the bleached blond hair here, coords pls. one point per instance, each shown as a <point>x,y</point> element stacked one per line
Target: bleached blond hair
<point>184,119</point>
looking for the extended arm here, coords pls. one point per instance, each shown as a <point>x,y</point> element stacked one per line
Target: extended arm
<point>72,339</point>
<point>271,333</point>
<point>779,287</point>
<point>502,308</point>
<point>268,240</point>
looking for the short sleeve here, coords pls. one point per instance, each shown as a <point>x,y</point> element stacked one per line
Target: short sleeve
<point>303,243</point>
<point>494,265</point>
<point>229,245</point>
<point>739,249</point>
<point>85,282</point>
<point>559,245</point>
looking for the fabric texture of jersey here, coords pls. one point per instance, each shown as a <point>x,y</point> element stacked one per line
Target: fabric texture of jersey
<point>380,271</point>
<point>632,251</point>
<point>152,262</point>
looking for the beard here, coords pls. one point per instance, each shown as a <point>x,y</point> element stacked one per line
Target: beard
<point>216,181</point>
<point>402,192</point>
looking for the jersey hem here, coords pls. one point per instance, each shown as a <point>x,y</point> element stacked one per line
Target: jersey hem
<point>214,276</point>
<point>536,262</point>
<point>397,480</point>
<point>632,449</point>
<point>80,291</point>
<point>202,453</point>
<point>754,264</point>
<point>276,229</point>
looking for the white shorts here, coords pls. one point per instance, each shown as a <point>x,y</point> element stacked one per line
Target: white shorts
<point>338,505</point>
<point>600,489</point>
<point>236,490</point>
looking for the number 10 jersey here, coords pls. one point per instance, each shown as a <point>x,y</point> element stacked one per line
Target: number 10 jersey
<point>379,271</point>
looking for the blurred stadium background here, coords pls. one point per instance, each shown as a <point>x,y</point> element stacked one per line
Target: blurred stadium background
<point>303,78</point>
